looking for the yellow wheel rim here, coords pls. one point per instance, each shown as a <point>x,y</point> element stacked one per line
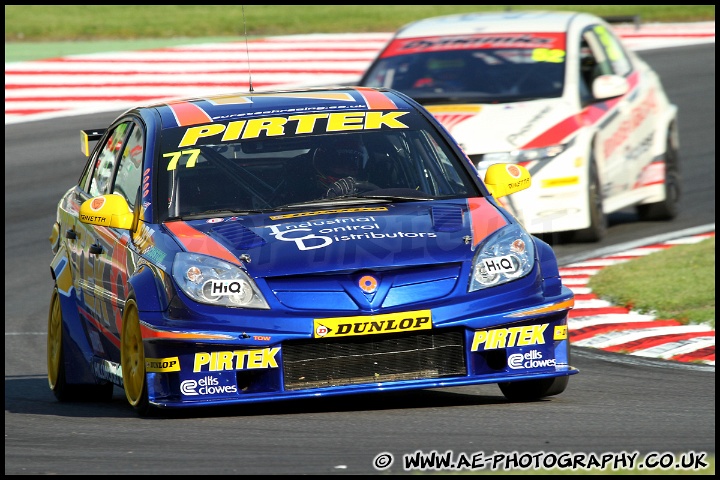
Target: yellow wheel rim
<point>133,355</point>
<point>54,340</point>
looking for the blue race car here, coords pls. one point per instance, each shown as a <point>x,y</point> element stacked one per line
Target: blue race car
<point>255,247</point>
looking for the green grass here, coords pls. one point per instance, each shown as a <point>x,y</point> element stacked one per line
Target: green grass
<point>677,283</point>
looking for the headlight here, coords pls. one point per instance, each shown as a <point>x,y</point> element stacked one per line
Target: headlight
<point>504,256</point>
<point>215,282</point>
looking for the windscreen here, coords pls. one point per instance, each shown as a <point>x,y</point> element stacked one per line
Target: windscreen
<point>476,68</point>
<point>288,162</point>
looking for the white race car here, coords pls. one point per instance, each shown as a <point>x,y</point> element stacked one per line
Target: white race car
<point>556,92</point>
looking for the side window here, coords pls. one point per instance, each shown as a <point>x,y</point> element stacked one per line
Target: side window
<point>618,61</point>
<point>593,63</point>
<point>129,174</point>
<point>587,68</point>
<point>106,160</point>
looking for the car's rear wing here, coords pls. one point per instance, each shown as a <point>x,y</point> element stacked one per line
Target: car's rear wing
<point>634,19</point>
<point>87,136</point>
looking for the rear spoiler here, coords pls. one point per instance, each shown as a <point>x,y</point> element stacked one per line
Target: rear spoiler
<point>634,19</point>
<point>87,136</point>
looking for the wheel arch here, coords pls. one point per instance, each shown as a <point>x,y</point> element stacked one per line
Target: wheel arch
<point>77,350</point>
<point>548,268</point>
<point>595,155</point>
<point>666,122</point>
<point>155,285</point>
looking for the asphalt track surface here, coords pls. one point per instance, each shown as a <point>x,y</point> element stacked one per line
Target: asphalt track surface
<point>616,404</point>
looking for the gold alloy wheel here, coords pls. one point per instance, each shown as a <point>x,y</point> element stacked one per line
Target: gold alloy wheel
<point>133,356</point>
<point>54,340</point>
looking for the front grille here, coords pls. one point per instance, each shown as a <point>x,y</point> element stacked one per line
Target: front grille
<point>373,359</point>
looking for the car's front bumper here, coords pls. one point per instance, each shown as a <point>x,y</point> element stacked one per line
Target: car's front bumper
<point>256,367</point>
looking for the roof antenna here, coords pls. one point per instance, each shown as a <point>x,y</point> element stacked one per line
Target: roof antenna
<point>247,49</point>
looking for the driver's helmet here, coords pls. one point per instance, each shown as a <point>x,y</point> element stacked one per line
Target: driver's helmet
<point>340,157</point>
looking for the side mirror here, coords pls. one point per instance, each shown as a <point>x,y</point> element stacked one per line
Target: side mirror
<point>609,86</point>
<point>107,211</point>
<point>506,178</point>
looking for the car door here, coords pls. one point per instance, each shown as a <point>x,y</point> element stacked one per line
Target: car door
<point>84,239</point>
<point>113,260</point>
<point>95,245</point>
<point>633,139</point>
<point>602,54</point>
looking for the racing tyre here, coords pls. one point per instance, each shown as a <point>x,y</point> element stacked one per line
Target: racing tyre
<point>63,391</point>
<point>132,355</point>
<point>668,208</point>
<point>598,220</point>
<point>529,390</point>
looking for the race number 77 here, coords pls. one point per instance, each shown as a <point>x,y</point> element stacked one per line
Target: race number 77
<point>193,153</point>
